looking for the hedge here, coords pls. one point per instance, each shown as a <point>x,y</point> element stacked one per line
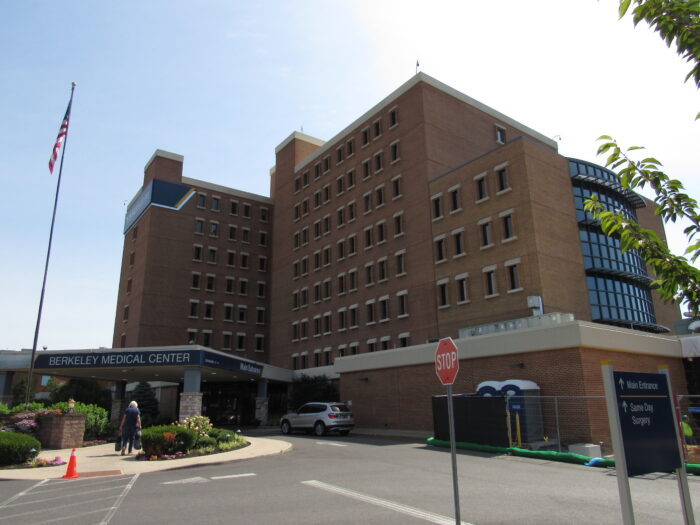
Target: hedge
<point>167,439</point>
<point>16,448</point>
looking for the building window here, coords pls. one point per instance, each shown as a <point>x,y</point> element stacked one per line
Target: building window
<point>458,242</point>
<point>384,308</point>
<point>379,196</point>
<point>231,258</point>
<point>208,310</point>
<point>212,256</point>
<point>443,298</point>
<point>305,179</point>
<point>197,253</point>
<point>440,252</point>
<point>402,303</point>
<point>382,269</point>
<point>228,312</point>
<point>196,280</point>
<point>244,260</point>
<point>490,281</point>
<point>367,200</point>
<point>199,226</point>
<point>326,164</point>
<point>350,179</point>
<point>246,211</point>
<point>262,289</point>
<point>502,178</point>
<point>377,128</point>
<point>213,229</point>
<point>201,200</point>
<point>381,232</point>
<point>400,258</point>
<point>396,187</point>
<point>191,337</point>
<point>352,280</point>
<point>340,214</point>
<point>339,185</point>
<point>262,263</point>
<point>232,233</point>
<point>327,323</point>
<point>129,283</point>
<point>394,152</point>
<point>369,274</point>
<point>393,117</point>
<point>226,345</point>
<point>242,313</point>
<point>350,147</point>
<point>264,214</point>
<point>366,172</point>
<point>245,235</point>
<point>230,285</point>
<point>378,162</point>
<point>371,345</point>
<point>240,341</point>
<point>352,316</point>
<point>481,188</point>
<point>513,275</point>
<point>243,286</point>
<point>262,238</point>
<point>215,203</point>
<point>404,339</point>
<point>341,284</point>
<point>486,234</point>
<point>352,207</point>
<point>339,155</point>
<point>462,288</point>
<point>398,224</point>
<point>260,315</point>
<point>259,342</point>
<point>233,208</point>
<point>352,245</point>
<point>455,204</point>
<point>500,135</point>
<point>508,232</point>
<point>370,312</point>
<point>126,313</point>
<point>194,308</point>
<point>211,282</point>
<point>437,206</point>
<point>365,136</point>
<point>368,238</point>
<point>206,338</point>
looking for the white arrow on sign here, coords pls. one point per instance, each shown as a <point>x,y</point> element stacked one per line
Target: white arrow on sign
<point>624,406</point>
<point>622,384</point>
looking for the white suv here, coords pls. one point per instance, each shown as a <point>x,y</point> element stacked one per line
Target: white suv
<point>319,418</point>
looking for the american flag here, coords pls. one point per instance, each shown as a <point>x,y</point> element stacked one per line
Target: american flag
<point>62,132</point>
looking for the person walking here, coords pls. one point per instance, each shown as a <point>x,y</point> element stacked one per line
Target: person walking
<point>687,431</point>
<point>131,422</point>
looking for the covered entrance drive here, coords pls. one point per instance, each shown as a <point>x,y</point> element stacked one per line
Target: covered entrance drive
<point>190,366</point>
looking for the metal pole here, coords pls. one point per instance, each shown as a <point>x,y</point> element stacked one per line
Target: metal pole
<point>556,416</point>
<point>453,450</point>
<point>48,256</point>
<point>623,482</point>
<point>681,473</point>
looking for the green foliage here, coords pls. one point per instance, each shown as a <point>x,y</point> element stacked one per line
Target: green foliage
<point>19,392</point>
<point>167,439</point>
<point>200,424</point>
<point>4,409</point>
<point>34,406</point>
<point>306,389</point>
<point>222,435</point>
<point>16,448</point>
<point>148,404</point>
<point>87,391</point>
<point>676,278</point>
<point>97,421</point>
<point>206,441</point>
<point>676,21</point>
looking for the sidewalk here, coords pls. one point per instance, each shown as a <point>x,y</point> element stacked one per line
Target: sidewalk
<point>102,460</point>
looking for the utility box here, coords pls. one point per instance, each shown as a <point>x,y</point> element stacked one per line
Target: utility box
<point>586,449</point>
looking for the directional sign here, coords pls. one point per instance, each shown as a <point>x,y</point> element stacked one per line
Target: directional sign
<point>646,421</point>
<point>446,361</point>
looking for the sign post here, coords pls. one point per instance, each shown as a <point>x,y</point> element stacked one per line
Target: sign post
<point>446,368</point>
<point>644,430</point>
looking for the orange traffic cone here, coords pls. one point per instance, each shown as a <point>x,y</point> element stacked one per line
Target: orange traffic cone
<point>72,470</point>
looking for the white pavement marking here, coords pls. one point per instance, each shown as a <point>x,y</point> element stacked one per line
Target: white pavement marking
<point>404,509</point>
<point>19,495</point>
<point>184,481</point>
<point>331,444</point>
<point>119,501</point>
<point>248,474</point>
<point>53,508</point>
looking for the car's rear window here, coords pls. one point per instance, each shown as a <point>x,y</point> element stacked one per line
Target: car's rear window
<point>340,408</point>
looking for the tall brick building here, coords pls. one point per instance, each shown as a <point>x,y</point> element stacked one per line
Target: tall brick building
<point>431,215</point>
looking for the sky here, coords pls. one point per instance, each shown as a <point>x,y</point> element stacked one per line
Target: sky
<point>223,82</point>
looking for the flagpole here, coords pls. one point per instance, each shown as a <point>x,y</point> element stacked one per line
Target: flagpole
<point>48,256</point>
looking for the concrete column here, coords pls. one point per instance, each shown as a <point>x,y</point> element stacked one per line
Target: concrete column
<point>190,404</point>
<point>193,380</point>
<point>261,402</point>
<point>119,402</point>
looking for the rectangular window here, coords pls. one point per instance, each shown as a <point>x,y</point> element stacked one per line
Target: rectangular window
<point>382,269</point>
<point>350,179</point>
<point>208,310</point>
<point>260,315</point>
<point>264,214</point>
<point>262,289</point>
<point>339,155</point>
<point>211,282</point>
<point>462,288</point>
<point>481,189</point>
<point>262,238</point>
<point>455,204</point>
<point>228,312</point>
<point>230,285</point>
<point>352,280</point>
<point>339,185</point>
<point>396,187</point>
<point>377,128</point>
<point>196,278</point>
<point>440,253</point>
<point>230,258</point>
<point>490,281</point>
<point>398,224</point>
<point>199,226</point>
<point>232,233</point>
<point>365,136</point>
<point>262,263</point>
<point>486,234</point>
<point>212,255</point>
<point>226,341</point>
<point>367,200</point>
<point>513,277</point>
<point>384,309</point>
<point>502,177</point>
<point>400,258</point>
<point>245,235</point>
<point>242,313</point>
<point>350,147</point>
<point>393,117</point>
<point>394,152</point>
<point>379,196</point>
<point>246,211</point>
<point>240,341</point>
<point>370,312</point>
<point>201,200</point>
<point>351,211</point>
<point>437,206</point>
<point>458,243</point>
<point>352,245</point>
<point>194,308</point>
<point>378,162</point>
<point>341,284</point>
<point>500,135</point>
<point>381,232</point>
<point>443,298</point>
<point>244,260</point>
<point>340,214</point>
<point>402,303</point>
<point>369,274</point>
<point>196,255</point>
<point>366,172</point>
<point>352,316</point>
<point>243,286</point>
<point>259,343</point>
<point>368,238</point>
<point>215,203</point>
<point>233,208</point>
<point>508,232</point>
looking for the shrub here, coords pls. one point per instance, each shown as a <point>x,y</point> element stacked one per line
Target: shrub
<point>222,435</point>
<point>83,390</point>
<point>200,424</point>
<point>206,441</point>
<point>34,406</point>
<point>4,409</point>
<point>16,448</point>
<point>167,439</point>
<point>97,420</point>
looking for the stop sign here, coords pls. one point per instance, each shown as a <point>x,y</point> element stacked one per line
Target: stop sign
<point>446,361</point>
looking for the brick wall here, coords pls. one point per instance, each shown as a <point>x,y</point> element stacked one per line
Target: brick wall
<point>62,431</point>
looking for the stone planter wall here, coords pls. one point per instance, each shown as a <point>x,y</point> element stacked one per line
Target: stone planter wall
<point>61,431</point>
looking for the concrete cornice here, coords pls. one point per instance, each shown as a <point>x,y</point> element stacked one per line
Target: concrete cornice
<point>301,136</point>
<point>228,191</point>
<point>575,334</point>
<point>166,155</point>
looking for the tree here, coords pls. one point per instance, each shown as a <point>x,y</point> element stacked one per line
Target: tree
<point>87,391</point>
<point>148,404</point>
<point>677,22</point>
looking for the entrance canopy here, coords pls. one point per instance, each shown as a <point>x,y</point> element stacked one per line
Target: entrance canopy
<point>147,364</point>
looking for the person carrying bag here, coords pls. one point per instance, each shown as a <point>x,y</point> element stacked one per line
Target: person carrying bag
<point>130,424</point>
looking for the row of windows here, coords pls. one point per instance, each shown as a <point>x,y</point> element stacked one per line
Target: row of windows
<point>210,282</point>
<point>610,199</point>
<point>233,259</point>
<point>371,199</point>
<point>603,252</point>
<point>234,207</point>
<point>347,282</point>
<point>200,228</point>
<point>457,240</point>
<point>347,150</point>
<point>225,340</point>
<point>230,313</point>
<point>452,201</point>
<point>347,214</point>
<point>348,318</point>
<point>618,300</point>
<point>457,289</point>
<point>324,357</point>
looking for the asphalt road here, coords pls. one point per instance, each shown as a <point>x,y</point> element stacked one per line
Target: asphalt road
<point>349,480</point>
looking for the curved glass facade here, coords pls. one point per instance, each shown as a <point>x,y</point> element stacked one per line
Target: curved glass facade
<point>618,284</point>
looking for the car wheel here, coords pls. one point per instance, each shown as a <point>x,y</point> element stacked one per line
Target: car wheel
<point>286,427</point>
<point>344,432</point>
<point>319,428</point>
